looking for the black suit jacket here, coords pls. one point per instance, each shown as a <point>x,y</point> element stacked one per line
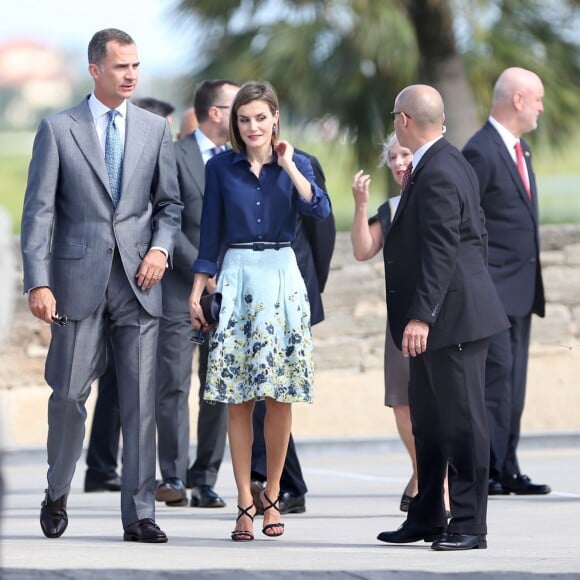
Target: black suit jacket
<point>313,246</point>
<point>511,222</point>
<point>435,255</point>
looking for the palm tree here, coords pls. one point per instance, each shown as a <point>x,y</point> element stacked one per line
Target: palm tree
<point>349,58</point>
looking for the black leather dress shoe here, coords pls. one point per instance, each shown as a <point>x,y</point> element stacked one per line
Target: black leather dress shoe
<point>257,487</point>
<point>495,488</point>
<point>409,532</point>
<point>145,530</point>
<point>450,541</point>
<point>113,484</point>
<point>204,496</point>
<point>292,504</point>
<point>172,492</point>
<point>522,485</point>
<point>53,516</point>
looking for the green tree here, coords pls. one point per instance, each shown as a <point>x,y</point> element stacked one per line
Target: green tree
<point>349,58</point>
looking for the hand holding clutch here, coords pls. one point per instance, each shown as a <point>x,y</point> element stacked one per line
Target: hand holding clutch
<point>210,305</point>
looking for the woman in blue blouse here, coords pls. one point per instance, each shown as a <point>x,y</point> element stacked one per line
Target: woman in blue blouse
<point>261,347</point>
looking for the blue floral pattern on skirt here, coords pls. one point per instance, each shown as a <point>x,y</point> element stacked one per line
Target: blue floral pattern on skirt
<point>262,345</point>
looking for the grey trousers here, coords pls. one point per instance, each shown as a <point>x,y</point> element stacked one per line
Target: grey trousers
<point>76,358</point>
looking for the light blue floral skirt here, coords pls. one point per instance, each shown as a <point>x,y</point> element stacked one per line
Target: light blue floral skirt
<point>262,344</point>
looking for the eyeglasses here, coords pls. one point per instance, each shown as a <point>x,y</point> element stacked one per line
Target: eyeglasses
<point>60,320</point>
<point>222,106</point>
<point>395,113</point>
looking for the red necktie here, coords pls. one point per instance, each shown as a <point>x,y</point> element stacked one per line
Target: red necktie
<point>521,168</point>
<point>406,176</point>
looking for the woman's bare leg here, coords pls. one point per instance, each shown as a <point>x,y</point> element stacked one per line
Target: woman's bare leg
<point>277,426</point>
<point>403,421</point>
<point>241,436</point>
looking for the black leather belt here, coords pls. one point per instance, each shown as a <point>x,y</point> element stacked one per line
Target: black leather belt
<point>260,246</point>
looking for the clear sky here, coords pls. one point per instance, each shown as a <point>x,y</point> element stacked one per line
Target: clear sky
<point>164,42</point>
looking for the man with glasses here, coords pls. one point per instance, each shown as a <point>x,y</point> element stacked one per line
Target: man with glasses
<point>443,307</point>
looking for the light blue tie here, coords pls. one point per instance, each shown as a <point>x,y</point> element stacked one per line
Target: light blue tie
<point>114,156</point>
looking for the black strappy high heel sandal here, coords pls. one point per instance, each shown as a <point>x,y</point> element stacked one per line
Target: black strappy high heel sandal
<point>275,505</point>
<point>243,535</point>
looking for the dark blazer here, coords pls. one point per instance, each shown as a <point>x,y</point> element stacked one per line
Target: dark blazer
<point>191,178</point>
<point>511,221</point>
<point>435,255</point>
<point>313,246</point>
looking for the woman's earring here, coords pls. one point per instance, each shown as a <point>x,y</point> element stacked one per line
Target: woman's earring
<point>274,129</point>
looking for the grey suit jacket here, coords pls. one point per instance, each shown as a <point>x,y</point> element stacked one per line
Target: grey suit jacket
<point>70,228</point>
<point>191,179</point>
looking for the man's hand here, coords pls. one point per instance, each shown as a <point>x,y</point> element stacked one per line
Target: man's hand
<point>42,303</point>
<point>151,270</point>
<point>415,338</point>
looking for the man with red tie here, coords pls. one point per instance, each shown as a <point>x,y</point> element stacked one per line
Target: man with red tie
<point>503,163</point>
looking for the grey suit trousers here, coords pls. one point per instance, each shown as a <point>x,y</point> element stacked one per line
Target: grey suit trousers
<point>76,358</point>
<point>175,357</point>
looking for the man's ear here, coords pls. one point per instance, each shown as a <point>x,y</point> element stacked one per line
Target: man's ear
<point>94,71</point>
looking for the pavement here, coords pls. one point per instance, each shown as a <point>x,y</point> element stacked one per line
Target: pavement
<point>354,492</point>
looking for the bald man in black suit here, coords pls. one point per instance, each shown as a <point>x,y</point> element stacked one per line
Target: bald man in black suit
<point>510,204</point>
<point>443,307</point>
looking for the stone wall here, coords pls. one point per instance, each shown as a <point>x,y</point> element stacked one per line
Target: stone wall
<point>348,351</point>
<point>352,335</point>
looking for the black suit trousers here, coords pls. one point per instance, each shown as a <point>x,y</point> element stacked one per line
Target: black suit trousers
<point>446,399</point>
<point>505,392</point>
<point>292,480</point>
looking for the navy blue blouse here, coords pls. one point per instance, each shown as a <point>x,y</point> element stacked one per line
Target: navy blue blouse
<point>239,207</point>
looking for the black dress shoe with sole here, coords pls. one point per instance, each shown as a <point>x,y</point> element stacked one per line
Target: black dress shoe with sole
<point>113,484</point>
<point>409,532</point>
<point>522,485</point>
<point>204,496</point>
<point>494,487</point>
<point>450,541</point>
<point>405,502</point>
<point>53,516</point>
<point>257,487</point>
<point>145,530</point>
<point>292,504</point>
<point>172,492</point>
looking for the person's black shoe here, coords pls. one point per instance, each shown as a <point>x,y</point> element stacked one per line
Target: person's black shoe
<point>112,484</point>
<point>53,516</point>
<point>409,532</point>
<point>256,487</point>
<point>145,530</point>
<point>204,496</point>
<point>522,485</point>
<point>172,492</point>
<point>450,541</point>
<point>495,488</point>
<point>292,504</point>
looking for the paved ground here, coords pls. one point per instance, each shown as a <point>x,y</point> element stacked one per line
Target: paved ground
<point>354,494</point>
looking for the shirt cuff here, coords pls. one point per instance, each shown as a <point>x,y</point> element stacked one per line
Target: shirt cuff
<point>163,251</point>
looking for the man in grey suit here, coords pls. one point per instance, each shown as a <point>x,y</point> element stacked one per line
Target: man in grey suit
<point>212,103</point>
<point>101,212</point>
